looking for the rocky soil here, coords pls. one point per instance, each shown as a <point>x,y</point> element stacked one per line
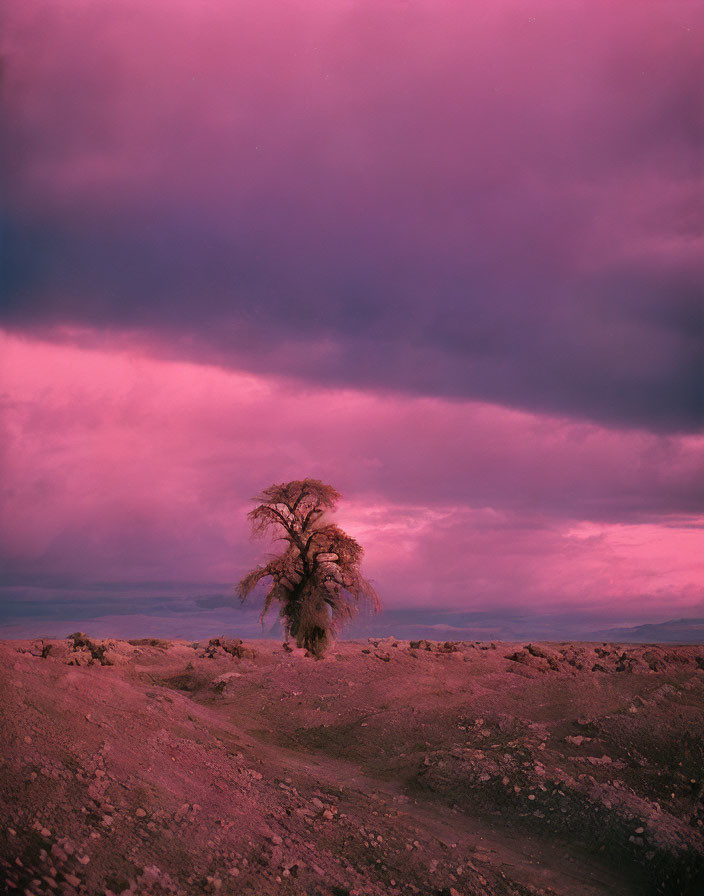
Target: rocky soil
<point>155,767</point>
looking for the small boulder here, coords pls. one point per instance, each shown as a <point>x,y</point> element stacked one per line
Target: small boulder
<point>448,647</point>
<point>234,646</point>
<point>79,639</point>
<point>421,645</point>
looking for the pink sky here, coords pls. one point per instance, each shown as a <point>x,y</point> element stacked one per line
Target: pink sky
<point>445,255</point>
<point>122,468</point>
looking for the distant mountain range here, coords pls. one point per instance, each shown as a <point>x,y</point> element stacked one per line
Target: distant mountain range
<point>210,613</point>
<point>675,631</point>
<point>509,626</point>
<point>514,626</point>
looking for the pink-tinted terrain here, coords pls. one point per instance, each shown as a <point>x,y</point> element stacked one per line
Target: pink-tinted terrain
<point>391,767</point>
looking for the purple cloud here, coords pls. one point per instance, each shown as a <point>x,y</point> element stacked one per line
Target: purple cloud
<point>484,202</point>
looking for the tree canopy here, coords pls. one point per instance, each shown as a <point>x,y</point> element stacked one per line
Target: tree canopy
<point>316,580</point>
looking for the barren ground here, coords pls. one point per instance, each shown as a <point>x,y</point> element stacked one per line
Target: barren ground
<point>475,768</point>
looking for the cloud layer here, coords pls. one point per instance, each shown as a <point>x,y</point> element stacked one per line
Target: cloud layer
<point>134,474</point>
<point>489,201</point>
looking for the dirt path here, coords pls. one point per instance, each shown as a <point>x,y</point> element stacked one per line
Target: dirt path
<point>522,858</point>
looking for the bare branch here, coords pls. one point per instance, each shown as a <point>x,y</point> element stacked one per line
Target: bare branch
<point>315,594</point>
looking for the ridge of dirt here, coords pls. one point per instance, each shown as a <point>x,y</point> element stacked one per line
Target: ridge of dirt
<point>391,767</point>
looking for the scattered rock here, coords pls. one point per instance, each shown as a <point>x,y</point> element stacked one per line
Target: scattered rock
<point>497,762</point>
<point>599,760</point>
<point>79,639</point>
<point>422,644</point>
<point>233,646</point>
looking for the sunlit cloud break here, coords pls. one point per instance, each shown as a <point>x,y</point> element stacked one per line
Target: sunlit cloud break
<point>129,469</point>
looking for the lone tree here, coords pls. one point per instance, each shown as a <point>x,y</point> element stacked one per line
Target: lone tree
<point>316,580</point>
